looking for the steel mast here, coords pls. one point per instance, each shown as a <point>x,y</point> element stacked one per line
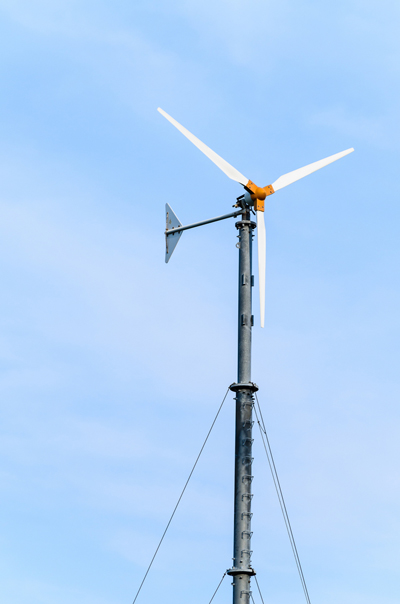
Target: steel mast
<point>244,389</point>
<point>242,570</point>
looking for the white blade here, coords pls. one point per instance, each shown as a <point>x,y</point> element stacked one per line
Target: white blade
<point>261,262</point>
<point>218,161</point>
<point>287,179</point>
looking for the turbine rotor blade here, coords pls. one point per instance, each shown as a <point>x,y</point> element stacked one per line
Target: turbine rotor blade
<point>290,177</point>
<point>261,243</point>
<point>223,165</point>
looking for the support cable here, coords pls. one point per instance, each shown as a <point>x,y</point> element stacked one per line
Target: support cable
<point>179,500</point>
<point>271,462</point>
<point>219,585</point>
<point>259,590</point>
<point>278,491</point>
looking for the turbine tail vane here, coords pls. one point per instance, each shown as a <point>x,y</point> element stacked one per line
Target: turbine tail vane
<point>171,239</point>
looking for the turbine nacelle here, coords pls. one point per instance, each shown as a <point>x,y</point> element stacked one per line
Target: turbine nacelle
<point>255,196</point>
<point>259,192</point>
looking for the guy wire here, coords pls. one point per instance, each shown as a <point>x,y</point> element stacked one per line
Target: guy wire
<point>219,585</point>
<point>259,590</point>
<point>281,499</point>
<point>179,500</point>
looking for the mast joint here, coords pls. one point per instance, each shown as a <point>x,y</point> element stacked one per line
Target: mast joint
<point>243,223</point>
<point>241,571</point>
<point>249,386</point>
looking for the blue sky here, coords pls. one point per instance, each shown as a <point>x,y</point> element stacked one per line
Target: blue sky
<point>113,364</point>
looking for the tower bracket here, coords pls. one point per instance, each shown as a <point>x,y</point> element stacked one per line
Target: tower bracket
<point>241,571</point>
<point>249,386</point>
<point>250,223</point>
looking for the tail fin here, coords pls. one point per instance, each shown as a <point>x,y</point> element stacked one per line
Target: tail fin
<point>171,239</point>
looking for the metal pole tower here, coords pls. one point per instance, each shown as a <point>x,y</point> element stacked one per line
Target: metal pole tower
<point>244,389</point>
<point>242,570</point>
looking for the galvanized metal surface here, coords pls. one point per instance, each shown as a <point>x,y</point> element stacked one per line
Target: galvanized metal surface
<point>242,569</point>
<point>171,239</point>
<point>244,389</point>
<point>181,228</point>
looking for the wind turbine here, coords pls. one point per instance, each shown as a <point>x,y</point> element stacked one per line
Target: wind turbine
<point>254,196</point>
<point>252,200</point>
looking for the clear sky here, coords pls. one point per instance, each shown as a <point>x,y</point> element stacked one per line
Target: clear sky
<point>113,364</point>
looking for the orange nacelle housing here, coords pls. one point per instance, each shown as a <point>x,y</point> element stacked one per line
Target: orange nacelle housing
<point>259,194</point>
